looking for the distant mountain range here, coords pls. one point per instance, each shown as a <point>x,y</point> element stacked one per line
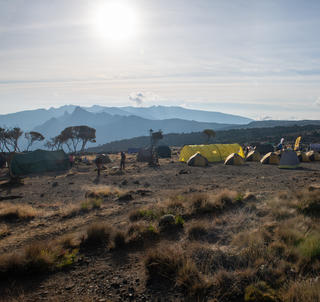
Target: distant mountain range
<point>113,123</point>
<point>117,123</point>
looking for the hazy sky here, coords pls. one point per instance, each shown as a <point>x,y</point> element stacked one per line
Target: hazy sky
<point>258,58</point>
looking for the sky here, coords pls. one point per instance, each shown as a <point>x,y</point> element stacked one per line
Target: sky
<point>256,58</point>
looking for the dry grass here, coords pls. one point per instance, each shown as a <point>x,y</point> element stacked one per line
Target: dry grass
<point>4,231</point>
<point>306,291</point>
<point>104,192</point>
<point>82,208</point>
<point>197,230</point>
<point>142,234</point>
<point>309,202</point>
<point>36,258</point>
<point>171,268</point>
<point>97,234</point>
<point>17,212</point>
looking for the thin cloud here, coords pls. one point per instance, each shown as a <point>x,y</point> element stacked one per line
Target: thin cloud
<point>141,98</point>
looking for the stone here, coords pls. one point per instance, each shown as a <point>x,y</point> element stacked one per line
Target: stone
<point>167,220</point>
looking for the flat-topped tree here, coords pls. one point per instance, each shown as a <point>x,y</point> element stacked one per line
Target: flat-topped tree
<point>209,133</point>
<point>9,139</point>
<point>72,137</point>
<point>32,137</point>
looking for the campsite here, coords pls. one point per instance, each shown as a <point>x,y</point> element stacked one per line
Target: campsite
<point>217,211</point>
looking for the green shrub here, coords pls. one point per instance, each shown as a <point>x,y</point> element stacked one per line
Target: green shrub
<point>310,247</point>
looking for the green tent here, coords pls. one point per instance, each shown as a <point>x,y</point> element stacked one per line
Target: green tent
<point>38,161</point>
<point>164,151</point>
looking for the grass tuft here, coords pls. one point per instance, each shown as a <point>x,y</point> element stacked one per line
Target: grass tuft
<point>17,212</point>
<point>97,234</point>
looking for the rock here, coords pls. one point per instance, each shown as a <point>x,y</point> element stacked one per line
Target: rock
<point>125,197</point>
<point>184,171</point>
<point>136,182</point>
<point>124,182</point>
<point>115,285</point>
<point>69,286</point>
<point>55,184</point>
<point>249,197</point>
<point>167,220</point>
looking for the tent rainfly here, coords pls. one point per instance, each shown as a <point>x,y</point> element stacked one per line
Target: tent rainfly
<point>38,161</point>
<point>213,153</point>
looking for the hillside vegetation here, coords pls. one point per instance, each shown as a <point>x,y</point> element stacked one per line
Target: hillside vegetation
<point>309,133</point>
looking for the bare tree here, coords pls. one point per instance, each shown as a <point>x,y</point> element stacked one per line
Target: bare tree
<point>32,137</point>
<point>209,133</point>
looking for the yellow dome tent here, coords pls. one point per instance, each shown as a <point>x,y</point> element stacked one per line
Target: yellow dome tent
<point>213,153</point>
<point>303,156</point>
<point>270,159</point>
<point>197,160</point>
<point>234,159</point>
<point>313,155</point>
<point>253,155</point>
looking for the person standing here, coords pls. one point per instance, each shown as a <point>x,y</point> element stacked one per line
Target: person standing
<point>98,162</point>
<point>123,161</point>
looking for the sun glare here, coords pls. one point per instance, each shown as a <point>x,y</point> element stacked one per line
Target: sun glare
<point>116,21</point>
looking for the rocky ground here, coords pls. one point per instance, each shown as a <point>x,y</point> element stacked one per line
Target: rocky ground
<point>104,274</point>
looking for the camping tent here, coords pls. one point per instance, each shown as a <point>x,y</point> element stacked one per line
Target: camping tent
<point>270,159</point>
<point>197,160</point>
<point>234,159</point>
<point>264,148</point>
<point>313,156</point>
<point>133,150</point>
<point>105,159</point>
<point>144,155</point>
<point>213,152</point>
<point>38,161</point>
<point>303,156</point>
<point>289,160</point>
<point>163,151</point>
<point>2,160</point>
<point>253,155</point>
<point>315,147</point>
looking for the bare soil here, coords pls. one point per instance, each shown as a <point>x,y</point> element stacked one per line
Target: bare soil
<point>104,275</point>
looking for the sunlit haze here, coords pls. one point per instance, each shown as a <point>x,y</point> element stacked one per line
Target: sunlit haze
<point>259,59</point>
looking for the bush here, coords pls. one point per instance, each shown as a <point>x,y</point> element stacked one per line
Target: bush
<point>309,248</point>
<point>197,231</point>
<point>97,234</point>
<point>143,214</point>
<point>142,234</point>
<point>309,203</point>
<point>170,268</point>
<point>119,240</point>
<point>260,292</point>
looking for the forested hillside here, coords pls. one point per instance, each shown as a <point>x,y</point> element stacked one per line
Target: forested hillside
<point>309,133</point>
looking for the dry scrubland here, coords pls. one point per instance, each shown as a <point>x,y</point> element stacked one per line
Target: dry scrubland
<point>175,233</point>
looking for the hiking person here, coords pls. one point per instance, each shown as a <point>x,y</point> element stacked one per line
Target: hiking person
<point>71,160</point>
<point>123,161</point>
<point>98,162</point>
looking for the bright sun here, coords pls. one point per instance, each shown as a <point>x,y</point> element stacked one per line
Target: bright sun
<point>116,21</point>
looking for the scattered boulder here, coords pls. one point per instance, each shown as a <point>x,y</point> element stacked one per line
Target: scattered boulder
<point>184,171</point>
<point>125,197</point>
<point>124,182</point>
<point>166,221</point>
<point>55,184</point>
